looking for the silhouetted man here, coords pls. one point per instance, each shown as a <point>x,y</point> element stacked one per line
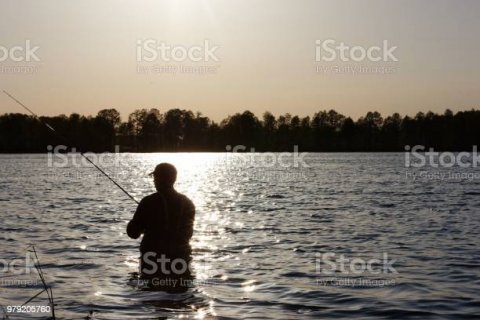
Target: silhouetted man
<point>166,220</point>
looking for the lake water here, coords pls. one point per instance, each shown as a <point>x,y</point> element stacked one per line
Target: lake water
<point>266,237</point>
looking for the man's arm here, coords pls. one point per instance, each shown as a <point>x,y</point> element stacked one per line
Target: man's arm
<point>136,226</point>
<point>189,215</point>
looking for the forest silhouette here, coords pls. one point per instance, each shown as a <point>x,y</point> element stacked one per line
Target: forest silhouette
<point>149,130</point>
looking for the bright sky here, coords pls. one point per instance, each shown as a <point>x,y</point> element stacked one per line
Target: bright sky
<point>266,53</point>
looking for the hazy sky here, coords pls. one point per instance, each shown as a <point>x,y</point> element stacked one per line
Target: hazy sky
<point>266,53</point>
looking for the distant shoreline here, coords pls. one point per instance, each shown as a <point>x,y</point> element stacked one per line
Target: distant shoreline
<point>178,130</point>
<point>226,152</point>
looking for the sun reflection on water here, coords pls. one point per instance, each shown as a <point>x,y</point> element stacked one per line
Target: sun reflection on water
<point>248,286</point>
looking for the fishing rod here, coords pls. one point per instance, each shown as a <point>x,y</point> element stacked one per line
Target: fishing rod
<point>68,144</point>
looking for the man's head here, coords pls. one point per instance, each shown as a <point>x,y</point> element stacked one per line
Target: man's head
<point>164,176</point>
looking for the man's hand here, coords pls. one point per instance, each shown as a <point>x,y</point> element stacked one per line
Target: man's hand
<point>133,230</point>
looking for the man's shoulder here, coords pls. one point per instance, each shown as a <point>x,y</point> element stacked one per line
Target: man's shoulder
<point>186,200</point>
<point>155,197</point>
<point>151,198</point>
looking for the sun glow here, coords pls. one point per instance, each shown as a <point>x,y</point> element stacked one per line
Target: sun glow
<point>189,9</point>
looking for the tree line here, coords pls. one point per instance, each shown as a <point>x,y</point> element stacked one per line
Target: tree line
<point>149,130</point>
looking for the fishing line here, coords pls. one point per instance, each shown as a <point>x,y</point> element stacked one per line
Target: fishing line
<point>68,144</point>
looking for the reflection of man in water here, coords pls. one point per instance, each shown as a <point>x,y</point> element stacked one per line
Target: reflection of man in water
<point>166,220</point>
